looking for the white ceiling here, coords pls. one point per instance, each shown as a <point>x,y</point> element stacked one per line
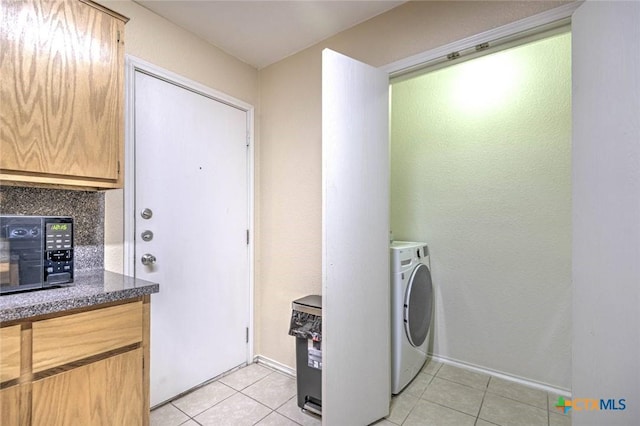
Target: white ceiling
<point>263,32</point>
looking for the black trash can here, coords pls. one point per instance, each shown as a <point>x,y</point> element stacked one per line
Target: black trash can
<point>306,326</point>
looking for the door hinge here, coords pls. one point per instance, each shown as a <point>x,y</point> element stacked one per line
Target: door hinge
<point>247,334</point>
<point>247,236</point>
<point>248,138</point>
<point>118,38</point>
<point>118,166</point>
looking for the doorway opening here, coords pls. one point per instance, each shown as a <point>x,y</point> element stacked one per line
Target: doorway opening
<point>481,172</point>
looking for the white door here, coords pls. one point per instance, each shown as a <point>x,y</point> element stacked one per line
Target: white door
<point>356,383</point>
<point>191,173</point>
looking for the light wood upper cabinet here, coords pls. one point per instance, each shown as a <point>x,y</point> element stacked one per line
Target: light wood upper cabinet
<point>61,94</point>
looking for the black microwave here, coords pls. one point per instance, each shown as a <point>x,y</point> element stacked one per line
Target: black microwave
<point>35,252</point>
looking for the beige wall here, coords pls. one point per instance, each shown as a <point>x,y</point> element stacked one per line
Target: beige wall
<point>481,171</point>
<point>290,176</point>
<point>158,41</point>
<point>154,39</point>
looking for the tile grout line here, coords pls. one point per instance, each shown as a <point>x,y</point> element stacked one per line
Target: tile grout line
<point>461,384</point>
<point>273,410</point>
<point>218,380</point>
<point>208,408</point>
<point>287,417</point>
<point>261,403</point>
<point>178,408</point>
<point>548,412</point>
<point>484,395</point>
<point>452,409</point>
<point>409,413</point>
<point>444,406</point>
<point>517,400</point>
<point>265,416</point>
<point>194,420</point>
<point>455,409</point>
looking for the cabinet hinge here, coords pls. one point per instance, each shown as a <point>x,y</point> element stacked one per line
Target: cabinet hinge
<point>247,334</point>
<point>247,236</point>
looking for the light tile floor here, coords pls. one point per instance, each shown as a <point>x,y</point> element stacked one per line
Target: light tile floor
<point>440,395</point>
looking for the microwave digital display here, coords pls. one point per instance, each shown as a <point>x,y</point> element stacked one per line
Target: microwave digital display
<point>58,236</point>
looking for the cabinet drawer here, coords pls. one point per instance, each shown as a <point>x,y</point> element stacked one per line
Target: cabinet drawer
<point>61,340</point>
<point>9,353</point>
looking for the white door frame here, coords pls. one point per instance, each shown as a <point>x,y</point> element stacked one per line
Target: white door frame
<point>132,65</point>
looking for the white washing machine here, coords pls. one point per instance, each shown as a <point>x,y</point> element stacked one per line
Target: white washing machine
<point>411,310</point>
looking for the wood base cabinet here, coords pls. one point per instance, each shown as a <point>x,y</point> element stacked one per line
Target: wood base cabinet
<point>110,390</point>
<point>62,94</point>
<point>10,405</point>
<point>88,367</point>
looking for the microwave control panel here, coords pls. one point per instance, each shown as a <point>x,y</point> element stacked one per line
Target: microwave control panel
<point>58,251</point>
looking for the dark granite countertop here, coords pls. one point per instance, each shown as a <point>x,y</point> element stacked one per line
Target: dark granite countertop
<point>89,288</point>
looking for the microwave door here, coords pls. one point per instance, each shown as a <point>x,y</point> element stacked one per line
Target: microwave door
<point>21,260</point>
<point>30,269</point>
<point>8,276</point>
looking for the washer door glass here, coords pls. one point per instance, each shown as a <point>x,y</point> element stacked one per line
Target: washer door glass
<point>418,304</point>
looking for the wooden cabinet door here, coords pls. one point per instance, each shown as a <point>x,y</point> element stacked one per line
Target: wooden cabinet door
<point>61,91</point>
<point>107,392</point>
<point>10,405</point>
<point>9,353</point>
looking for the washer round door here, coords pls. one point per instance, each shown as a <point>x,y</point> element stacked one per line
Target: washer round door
<point>418,305</point>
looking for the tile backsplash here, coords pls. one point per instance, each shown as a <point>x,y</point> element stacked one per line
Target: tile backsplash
<point>86,208</point>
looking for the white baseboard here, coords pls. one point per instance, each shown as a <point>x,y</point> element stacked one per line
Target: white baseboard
<point>521,380</point>
<point>275,365</point>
